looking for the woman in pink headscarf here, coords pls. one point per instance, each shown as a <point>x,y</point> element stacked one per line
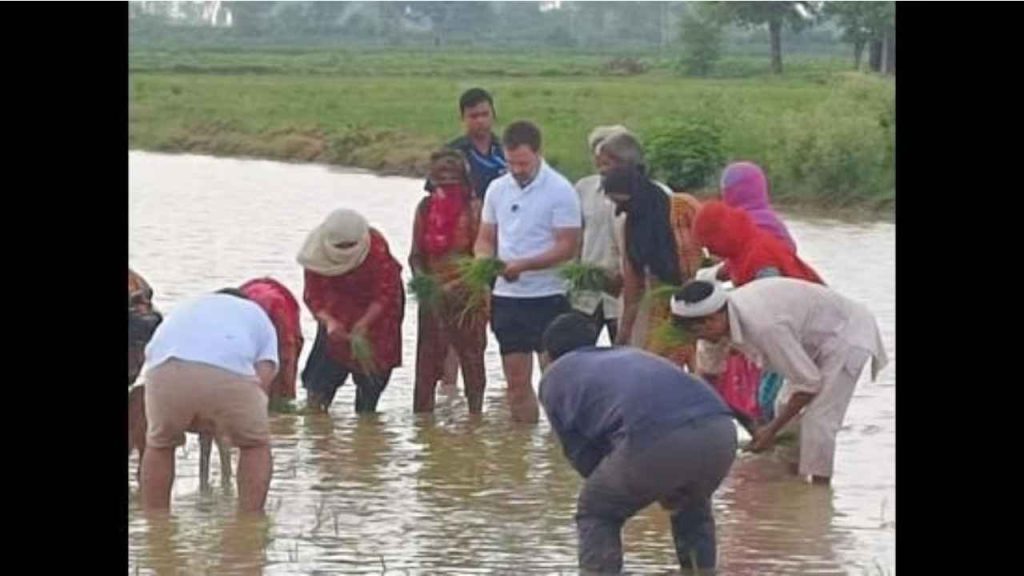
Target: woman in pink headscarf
<point>744,186</point>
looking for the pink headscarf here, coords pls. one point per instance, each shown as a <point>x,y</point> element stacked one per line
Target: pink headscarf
<point>744,186</point>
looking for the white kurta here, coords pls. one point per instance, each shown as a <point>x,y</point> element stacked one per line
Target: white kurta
<point>602,244</point>
<point>819,341</point>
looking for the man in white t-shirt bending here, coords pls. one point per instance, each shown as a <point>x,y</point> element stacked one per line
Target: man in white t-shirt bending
<point>531,221</point>
<point>212,360</point>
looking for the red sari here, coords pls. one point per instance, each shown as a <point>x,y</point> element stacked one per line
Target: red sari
<point>277,301</point>
<point>347,297</point>
<point>445,228</point>
<point>730,233</point>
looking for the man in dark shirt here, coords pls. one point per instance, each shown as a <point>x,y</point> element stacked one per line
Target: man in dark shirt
<point>639,430</point>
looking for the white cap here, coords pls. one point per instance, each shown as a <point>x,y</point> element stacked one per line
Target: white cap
<point>713,303</point>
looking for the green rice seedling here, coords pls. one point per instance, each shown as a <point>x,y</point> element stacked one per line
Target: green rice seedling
<point>583,277</point>
<point>362,352</point>
<point>427,291</point>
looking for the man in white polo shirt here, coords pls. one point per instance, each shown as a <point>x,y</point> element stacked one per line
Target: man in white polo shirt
<point>531,221</point>
<point>212,361</point>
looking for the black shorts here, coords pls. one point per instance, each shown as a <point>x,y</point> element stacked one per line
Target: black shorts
<point>519,323</point>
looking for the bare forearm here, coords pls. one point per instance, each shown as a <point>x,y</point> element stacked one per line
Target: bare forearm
<point>373,311</point>
<point>796,403</point>
<point>323,316</point>
<point>632,290</point>
<point>265,371</point>
<point>483,248</point>
<point>626,322</point>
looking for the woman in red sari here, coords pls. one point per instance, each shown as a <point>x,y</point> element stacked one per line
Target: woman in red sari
<point>749,252</point>
<point>444,228</point>
<point>283,309</point>
<point>353,288</point>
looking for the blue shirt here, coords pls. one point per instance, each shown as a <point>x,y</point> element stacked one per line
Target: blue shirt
<point>598,398</point>
<point>483,168</point>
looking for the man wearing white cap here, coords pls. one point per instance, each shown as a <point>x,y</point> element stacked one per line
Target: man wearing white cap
<point>816,338</point>
<point>602,234</point>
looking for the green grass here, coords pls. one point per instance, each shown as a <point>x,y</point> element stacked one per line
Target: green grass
<point>823,135</point>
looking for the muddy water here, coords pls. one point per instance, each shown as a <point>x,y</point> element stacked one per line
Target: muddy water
<point>395,493</point>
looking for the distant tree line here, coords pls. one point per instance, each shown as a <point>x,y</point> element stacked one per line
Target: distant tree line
<point>861,24</point>
<point>668,27</point>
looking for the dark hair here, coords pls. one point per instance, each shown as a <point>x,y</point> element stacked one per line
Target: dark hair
<point>474,96</point>
<point>522,133</point>
<point>568,332</point>
<point>447,155</point>
<point>233,292</point>
<point>623,146</point>
<point>694,291</point>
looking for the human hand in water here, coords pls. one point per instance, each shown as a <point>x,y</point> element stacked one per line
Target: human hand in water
<point>764,437</point>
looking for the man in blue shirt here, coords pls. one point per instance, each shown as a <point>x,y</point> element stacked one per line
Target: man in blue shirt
<point>639,430</point>
<point>479,144</point>
<point>482,150</point>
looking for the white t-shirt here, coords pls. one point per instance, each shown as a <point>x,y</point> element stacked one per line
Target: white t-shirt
<point>526,220</point>
<point>216,329</point>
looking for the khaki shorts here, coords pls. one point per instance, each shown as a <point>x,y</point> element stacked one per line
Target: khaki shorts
<point>181,394</point>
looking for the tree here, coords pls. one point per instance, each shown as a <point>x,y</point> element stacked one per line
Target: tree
<point>702,39</point>
<point>867,24</point>
<point>885,23</point>
<point>796,15</point>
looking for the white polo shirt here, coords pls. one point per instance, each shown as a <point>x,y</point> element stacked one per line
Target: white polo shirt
<point>526,219</point>
<point>216,329</point>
